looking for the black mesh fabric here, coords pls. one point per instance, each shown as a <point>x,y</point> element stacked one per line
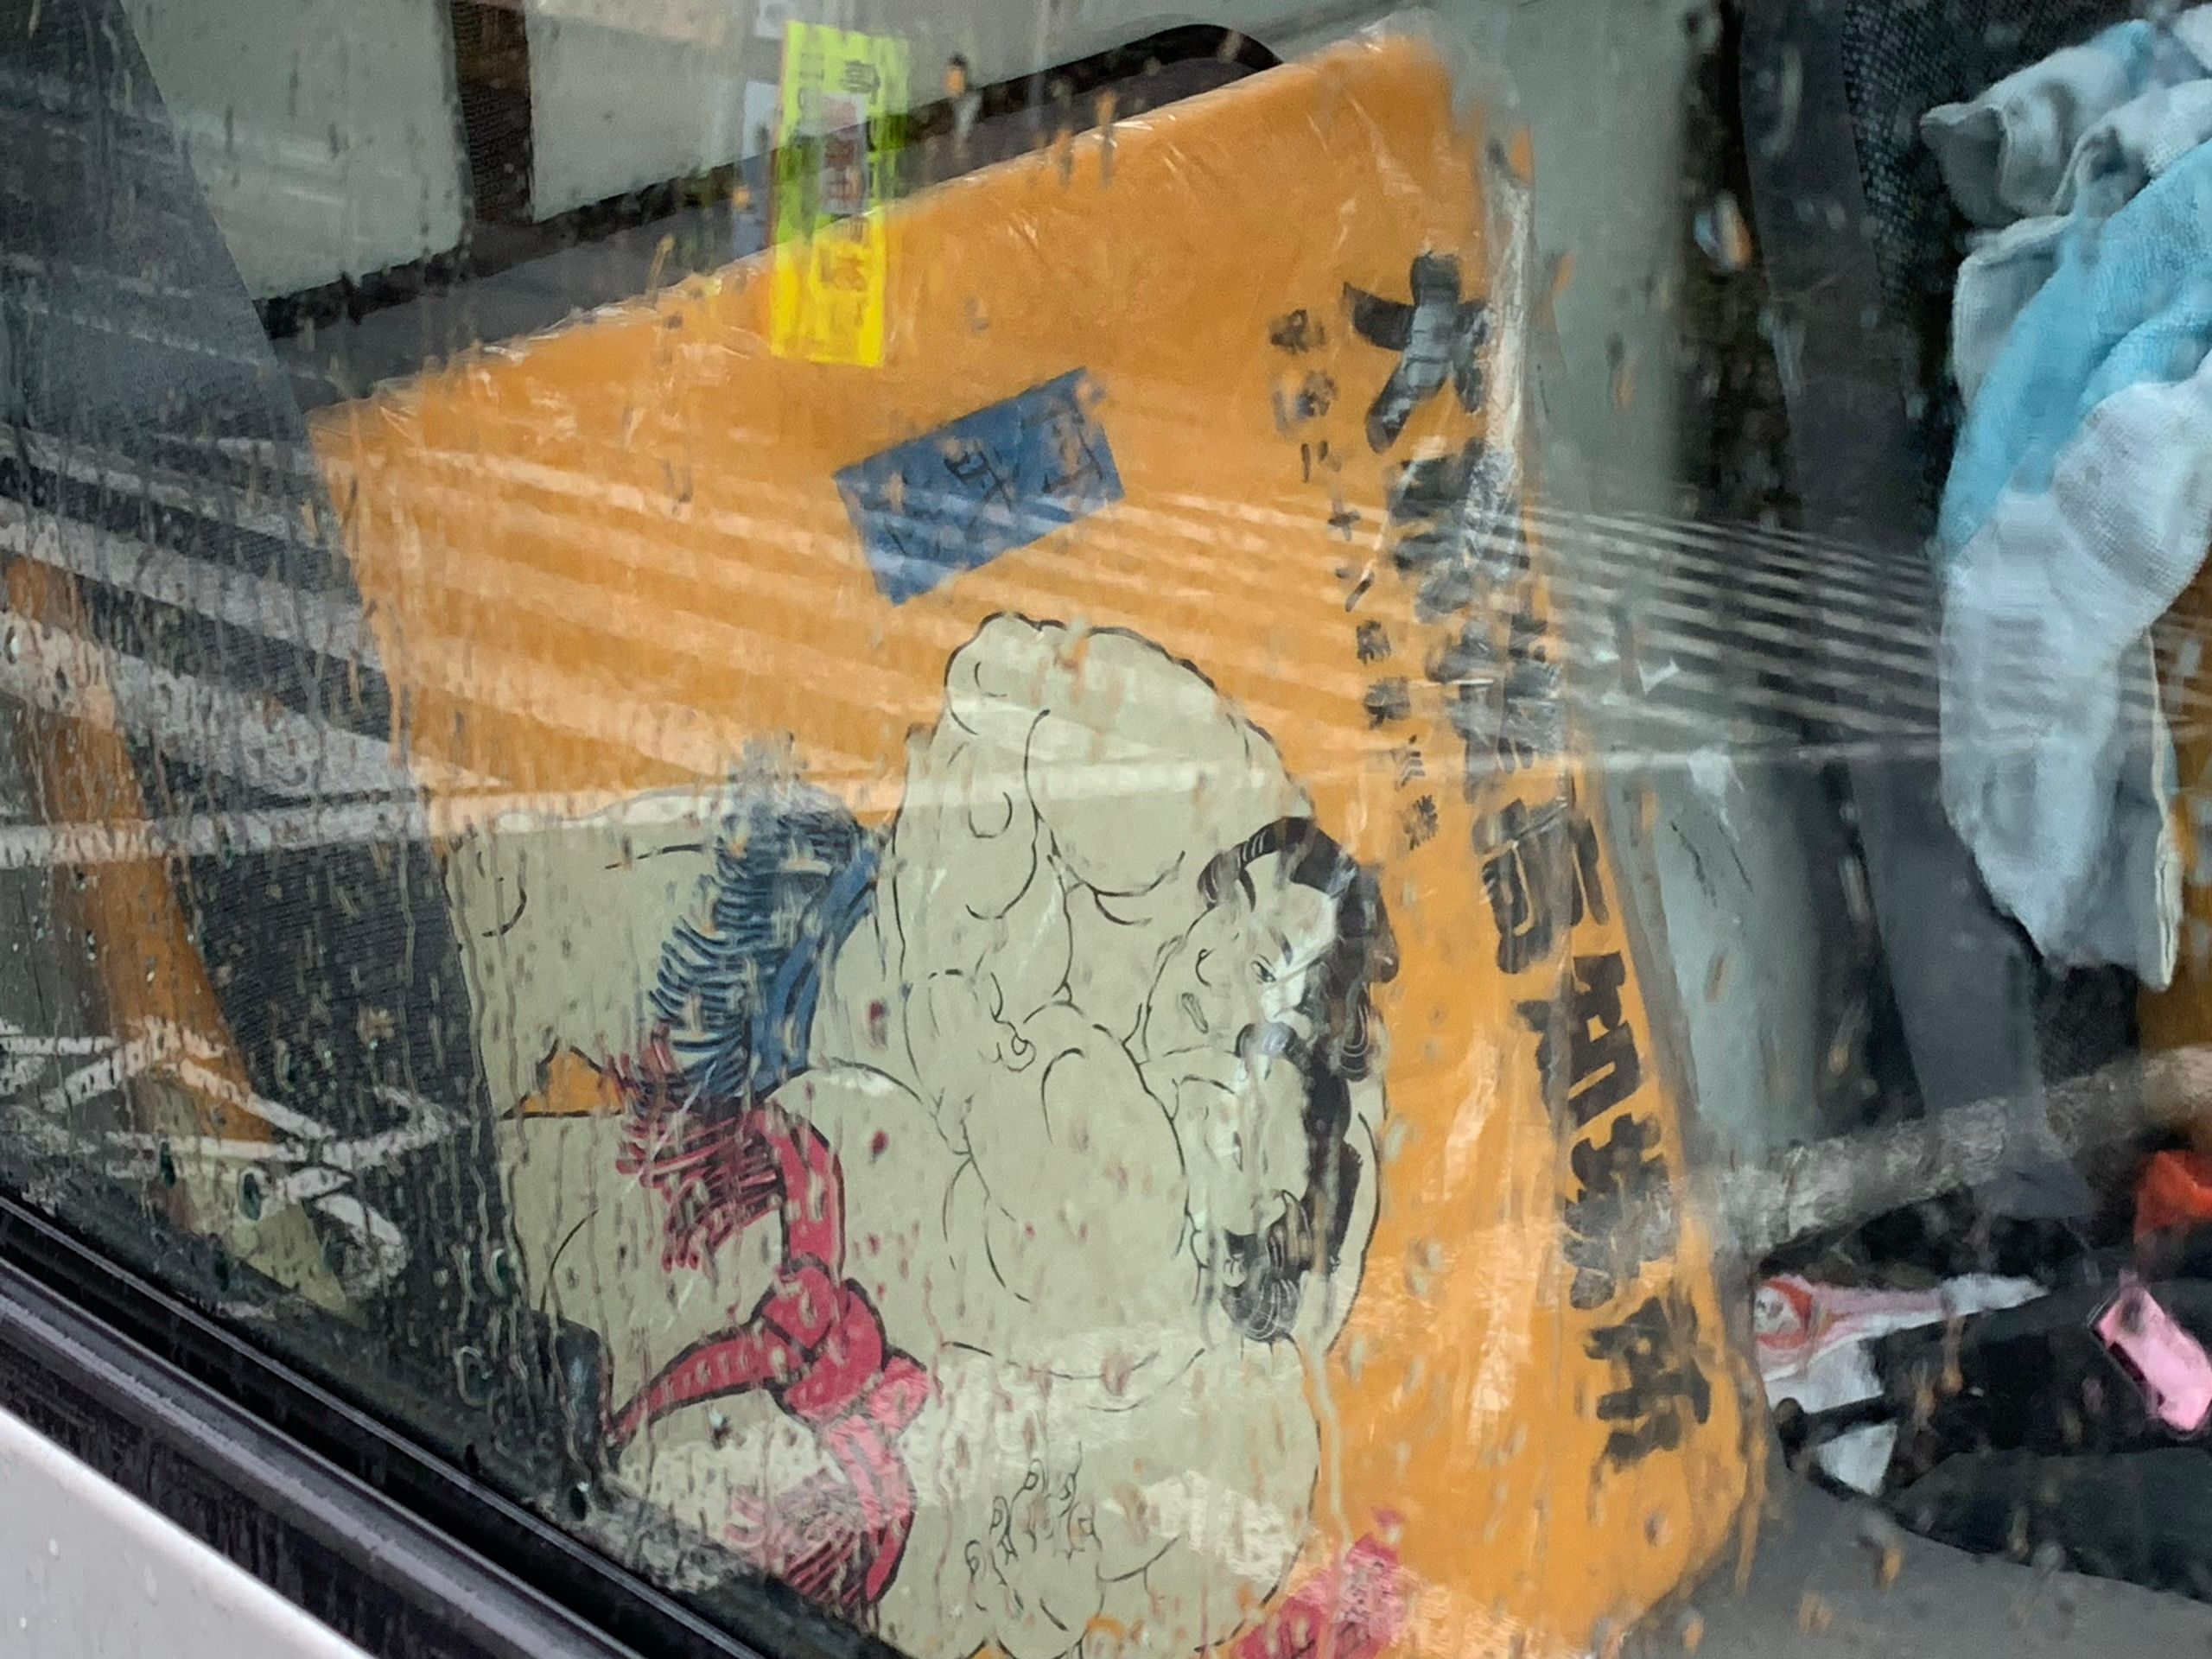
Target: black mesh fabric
<point>1898,62</point>
<point>1860,247</point>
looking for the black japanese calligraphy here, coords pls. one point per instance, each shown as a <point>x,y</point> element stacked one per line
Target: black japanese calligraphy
<point>1362,580</point>
<point>1308,399</point>
<point>1451,518</point>
<point>1389,700</point>
<point>1311,456</point>
<point>1420,822</point>
<point>1298,332</point>
<point>1621,1215</point>
<point>1467,669</point>
<point>1509,713</point>
<point>1437,336</point>
<point>1654,1354</point>
<point>1584,1028</point>
<point>1532,721</point>
<point>1541,877</point>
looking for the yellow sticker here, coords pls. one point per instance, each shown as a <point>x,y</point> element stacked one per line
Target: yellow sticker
<point>839,131</point>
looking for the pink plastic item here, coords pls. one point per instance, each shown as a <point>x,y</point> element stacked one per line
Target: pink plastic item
<point>2169,1364</point>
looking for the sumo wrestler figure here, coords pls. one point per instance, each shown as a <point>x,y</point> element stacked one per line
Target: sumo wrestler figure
<point>960,1210</point>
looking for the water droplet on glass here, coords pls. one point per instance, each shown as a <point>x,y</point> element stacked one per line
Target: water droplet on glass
<point>472,1374</point>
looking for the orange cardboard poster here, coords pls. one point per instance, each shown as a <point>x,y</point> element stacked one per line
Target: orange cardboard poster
<point>1062,1017</point>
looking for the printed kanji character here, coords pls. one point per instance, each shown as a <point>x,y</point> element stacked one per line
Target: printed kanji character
<point>1621,1215</point>
<point>1388,700</point>
<point>1420,822</point>
<point>973,464</point>
<point>1308,400</point>
<point>1296,333</point>
<point>1654,1355</point>
<point>1067,465</point>
<point>1437,335</point>
<point>842,150</point>
<point>844,171</point>
<point>982,477</point>
<point>1372,641</point>
<point>1532,718</point>
<point>1586,1027</point>
<point>1541,874</point>
<point>839,262</point>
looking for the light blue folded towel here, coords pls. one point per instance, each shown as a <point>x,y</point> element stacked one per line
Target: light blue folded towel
<point>2129,300</point>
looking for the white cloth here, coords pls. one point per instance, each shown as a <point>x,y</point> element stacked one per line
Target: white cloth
<point>2079,503</point>
<point>2057,768</point>
<point>2110,161</point>
<point>2007,154</point>
<point>1815,1346</point>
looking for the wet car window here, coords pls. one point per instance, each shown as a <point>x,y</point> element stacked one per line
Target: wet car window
<point>1300,830</point>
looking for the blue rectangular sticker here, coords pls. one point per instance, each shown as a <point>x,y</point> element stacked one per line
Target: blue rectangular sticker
<point>984,485</point>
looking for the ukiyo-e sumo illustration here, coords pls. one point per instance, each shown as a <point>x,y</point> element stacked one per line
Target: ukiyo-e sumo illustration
<point>962,1209</point>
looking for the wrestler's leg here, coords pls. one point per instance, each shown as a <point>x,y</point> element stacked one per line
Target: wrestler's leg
<point>588,1244</point>
<point>768,1488</point>
<point>896,1172</point>
<point>762,1486</point>
<point>816,1348</point>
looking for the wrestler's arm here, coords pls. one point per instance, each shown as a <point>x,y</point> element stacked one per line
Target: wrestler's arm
<point>1139,769</point>
<point>979,929</point>
<point>1095,777</point>
<point>1081,1165</point>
